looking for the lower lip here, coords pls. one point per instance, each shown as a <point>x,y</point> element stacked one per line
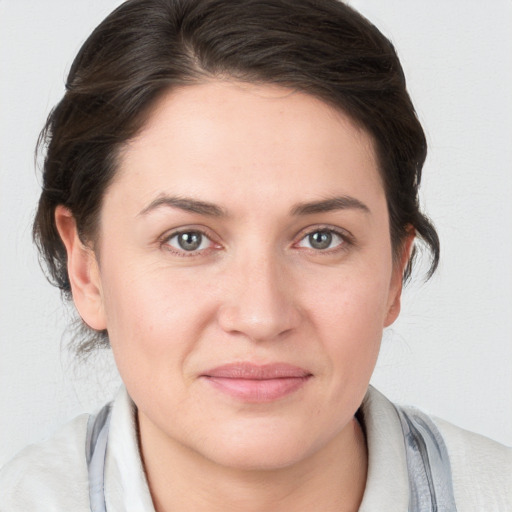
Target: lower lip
<point>256,390</point>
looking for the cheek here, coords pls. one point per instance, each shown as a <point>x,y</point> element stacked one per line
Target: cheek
<point>153,316</point>
<point>350,301</point>
<point>349,315</point>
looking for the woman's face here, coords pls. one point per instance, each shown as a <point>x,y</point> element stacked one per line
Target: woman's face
<point>245,272</point>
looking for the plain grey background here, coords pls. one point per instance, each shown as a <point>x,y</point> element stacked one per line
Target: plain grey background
<point>450,353</point>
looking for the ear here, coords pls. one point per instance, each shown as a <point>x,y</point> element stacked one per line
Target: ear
<point>83,271</point>
<point>395,289</point>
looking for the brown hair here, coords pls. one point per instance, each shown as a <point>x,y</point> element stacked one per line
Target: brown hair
<point>146,47</point>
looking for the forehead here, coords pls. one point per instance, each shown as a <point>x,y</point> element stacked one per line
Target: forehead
<point>203,138</point>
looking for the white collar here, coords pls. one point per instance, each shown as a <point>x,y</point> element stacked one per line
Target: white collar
<point>387,482</point>
<point>387,485</point>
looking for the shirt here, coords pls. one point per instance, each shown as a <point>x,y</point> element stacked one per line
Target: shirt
<point>53,475</point>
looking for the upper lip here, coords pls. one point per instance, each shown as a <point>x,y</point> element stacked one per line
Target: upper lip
<point>251,371</point>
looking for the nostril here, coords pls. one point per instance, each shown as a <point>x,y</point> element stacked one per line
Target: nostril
<point>258,321</point>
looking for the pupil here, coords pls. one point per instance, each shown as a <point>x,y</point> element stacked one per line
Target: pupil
<point>190,241</point>
<point>320,239</point>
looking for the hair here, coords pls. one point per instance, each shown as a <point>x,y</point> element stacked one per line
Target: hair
<point>146,47</point>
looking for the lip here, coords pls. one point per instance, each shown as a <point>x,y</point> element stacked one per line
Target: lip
<point>257,383</point>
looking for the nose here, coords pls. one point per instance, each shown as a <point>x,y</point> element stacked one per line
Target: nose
<point>259,302</point>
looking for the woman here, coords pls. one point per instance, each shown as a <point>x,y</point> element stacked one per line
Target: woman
<point>230,199</point>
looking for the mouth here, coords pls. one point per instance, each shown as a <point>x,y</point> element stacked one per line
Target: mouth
<point>257,383</point>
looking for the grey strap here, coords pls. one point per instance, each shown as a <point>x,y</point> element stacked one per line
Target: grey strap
<point>428,464</point>
<point>95,452</point>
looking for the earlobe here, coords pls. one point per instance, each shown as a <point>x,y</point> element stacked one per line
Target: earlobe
<point>397,279</point>
<point>83,271</point>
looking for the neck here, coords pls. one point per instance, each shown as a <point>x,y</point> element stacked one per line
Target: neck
<point>332,479</point>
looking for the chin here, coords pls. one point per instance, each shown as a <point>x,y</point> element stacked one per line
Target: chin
<point>257,449</point>
<point>259,458</point>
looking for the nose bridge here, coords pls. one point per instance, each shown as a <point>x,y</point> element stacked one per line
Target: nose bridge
<point>259,302</point>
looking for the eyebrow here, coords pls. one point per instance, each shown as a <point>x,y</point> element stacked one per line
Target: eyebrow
<point>329,205</point>
<point>187,204</point>
<point>212,210</point>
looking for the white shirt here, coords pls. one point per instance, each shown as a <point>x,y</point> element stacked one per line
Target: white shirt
<point>52,475</point>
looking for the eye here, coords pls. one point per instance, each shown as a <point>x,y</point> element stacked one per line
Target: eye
<point>321,240</point>
<point>188,241</point>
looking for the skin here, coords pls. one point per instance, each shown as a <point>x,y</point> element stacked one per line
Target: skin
<point>269,162</point>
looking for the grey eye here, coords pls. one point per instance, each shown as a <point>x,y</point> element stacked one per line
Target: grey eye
<point>320,239</point>
<point>189,241</point>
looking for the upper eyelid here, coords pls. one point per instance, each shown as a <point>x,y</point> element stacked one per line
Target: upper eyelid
<point>343,233</point>
<point>186,229</point>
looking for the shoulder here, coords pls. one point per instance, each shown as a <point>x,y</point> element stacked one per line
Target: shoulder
<point>49,475</point>
<point>481,469</point>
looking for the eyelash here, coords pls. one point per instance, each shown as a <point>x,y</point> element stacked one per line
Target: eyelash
<point>346,240</point>
<point>165,242</point>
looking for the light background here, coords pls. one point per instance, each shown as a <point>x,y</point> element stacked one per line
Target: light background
<point>450,353</point>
